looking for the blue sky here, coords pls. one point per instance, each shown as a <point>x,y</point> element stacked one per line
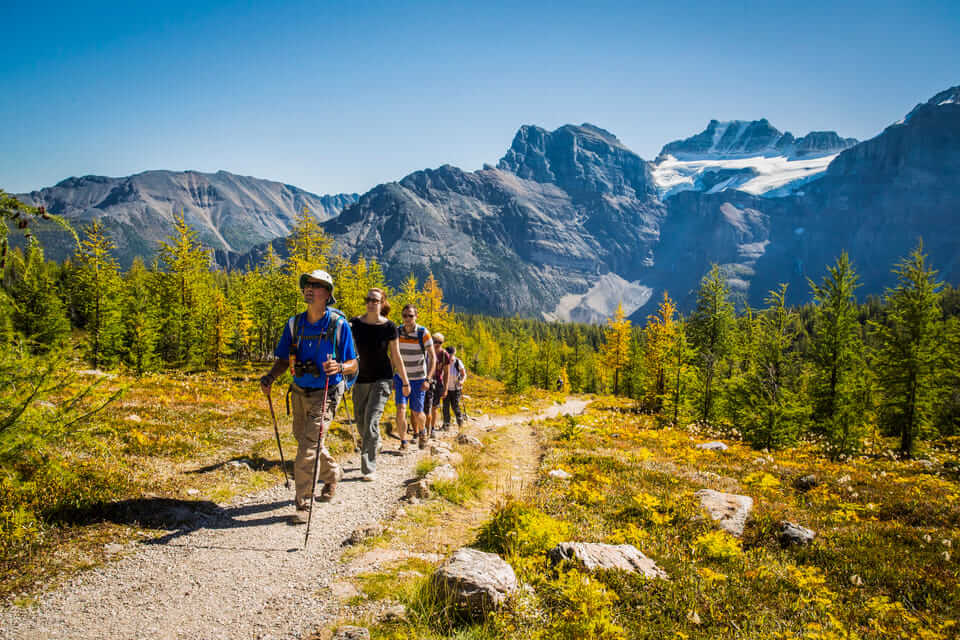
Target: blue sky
<point>338,96</point>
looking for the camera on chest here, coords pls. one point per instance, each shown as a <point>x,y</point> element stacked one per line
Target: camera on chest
<point>304,367</point>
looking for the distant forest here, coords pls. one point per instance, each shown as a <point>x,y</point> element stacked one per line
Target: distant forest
<point>837,370</point>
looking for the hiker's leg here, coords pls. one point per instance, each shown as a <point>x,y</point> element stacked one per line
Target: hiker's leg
<point>457,411</point>
<point>446,407</point>
<point>328,471</point>
<point>376,397</point>
<point>304,432</point>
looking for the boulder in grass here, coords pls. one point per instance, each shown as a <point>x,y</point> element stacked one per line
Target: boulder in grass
<point>791,533</point>
<point>449,457</point>
<point>559,474</point>
<point>807,482</point>
<point>444,473</point>
<point>351,633</point>
<point>729,510</point>
<point>419,490</point>
<point>475,582</point>
<point>594,555</point>
<point>716,445</point>
<point>469,440</point>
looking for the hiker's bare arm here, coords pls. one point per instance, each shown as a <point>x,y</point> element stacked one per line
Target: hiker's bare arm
<point>332,367</point>
<point>431,362</point>
<point>278,367</point>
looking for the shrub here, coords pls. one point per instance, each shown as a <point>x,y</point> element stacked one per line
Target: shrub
<point>718,545</point>
<point>517,528</point>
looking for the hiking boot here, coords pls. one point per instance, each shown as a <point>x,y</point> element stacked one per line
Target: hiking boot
<point>329,490</point>
<point>300,516</point>
<point>423,440</point>
<point>403,445</point>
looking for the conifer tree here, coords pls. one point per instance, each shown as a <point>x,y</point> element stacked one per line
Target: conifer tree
<point>772,412</point>
<point>39,313</point>
<point>99,293</point>
<point>308,246</point>
<point>433,313</point>
<point>659,336</point>
<point>840,386</point>
<point>141,322</point>
<point>187,282</point>
<point>272,301</point>
<point>910,350</point>
<point>617,346</point>
<point>709,331</point>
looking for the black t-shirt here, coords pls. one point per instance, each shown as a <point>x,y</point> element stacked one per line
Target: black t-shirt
<point>372,342</point>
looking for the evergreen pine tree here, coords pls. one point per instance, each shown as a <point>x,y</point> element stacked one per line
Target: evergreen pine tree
<point>38,312</point>
<point>709,332</point>
<point>772,411</point>
<point>617,346</point>
<point>910,350</point>
<point>98,291</point>
<point>840,386</point>
<point>140,320</point>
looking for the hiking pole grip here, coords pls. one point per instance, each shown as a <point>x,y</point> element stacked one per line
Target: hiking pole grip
<point>276,432</point>
<point>316,459</point>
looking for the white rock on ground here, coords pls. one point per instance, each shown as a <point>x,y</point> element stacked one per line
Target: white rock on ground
<point>716,445</point>
<point>560,474</point>
<point>444,473</point>
<point>729,510</point>
<point>594,555</point>
<point>469,440</point>
<point>475,581</point>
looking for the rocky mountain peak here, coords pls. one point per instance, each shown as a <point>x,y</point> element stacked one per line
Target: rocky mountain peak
<point>948,99</point>
<point>582,160</point>
<point>747,138</point>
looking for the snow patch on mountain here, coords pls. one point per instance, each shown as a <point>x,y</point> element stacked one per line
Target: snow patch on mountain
<point>600,302</point>
<point>759,175</point>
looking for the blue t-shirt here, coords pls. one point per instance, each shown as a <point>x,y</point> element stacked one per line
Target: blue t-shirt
<point>314,346</point>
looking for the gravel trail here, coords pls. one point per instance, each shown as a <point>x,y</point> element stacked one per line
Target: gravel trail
<point>239,571</point>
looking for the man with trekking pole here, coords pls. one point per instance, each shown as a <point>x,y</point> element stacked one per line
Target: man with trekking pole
<point>317,345</point>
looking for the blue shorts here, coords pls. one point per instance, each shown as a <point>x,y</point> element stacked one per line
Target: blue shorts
<point>418,390</point>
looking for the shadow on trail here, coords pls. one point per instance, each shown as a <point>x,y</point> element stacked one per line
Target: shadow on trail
<point>179,517</point>
<point>255,463</point>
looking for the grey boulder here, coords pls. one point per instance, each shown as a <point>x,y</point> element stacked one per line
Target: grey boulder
<point>594,555</point>
<point>475,582</point>
<point>729,510</point>
<point>352,633</point>
<point>791,533</point>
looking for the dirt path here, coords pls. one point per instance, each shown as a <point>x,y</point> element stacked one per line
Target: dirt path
<point>238,572</point>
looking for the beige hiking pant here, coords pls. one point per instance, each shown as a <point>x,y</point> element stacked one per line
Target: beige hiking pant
<point>306,429</point>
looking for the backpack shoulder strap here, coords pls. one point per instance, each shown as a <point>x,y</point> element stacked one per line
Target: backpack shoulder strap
<point>295,323</point>
<point>333,328</point>
<point>420,331</point>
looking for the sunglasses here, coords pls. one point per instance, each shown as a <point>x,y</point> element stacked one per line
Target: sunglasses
<point>409,315</point>
<point>316,285</point>
<point>377,300</point>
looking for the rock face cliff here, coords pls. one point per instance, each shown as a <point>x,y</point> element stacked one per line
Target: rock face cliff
<point>571,222</point>
<point>230,212</point>
<point>876,200</point>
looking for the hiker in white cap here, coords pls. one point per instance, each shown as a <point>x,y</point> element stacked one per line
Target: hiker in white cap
<point>317,345</point>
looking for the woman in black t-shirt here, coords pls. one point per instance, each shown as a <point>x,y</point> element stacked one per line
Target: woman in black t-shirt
<point>377,349</point>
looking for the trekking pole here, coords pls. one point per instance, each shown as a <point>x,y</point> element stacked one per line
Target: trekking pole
<point>276,432</point>
<point>316,460</point>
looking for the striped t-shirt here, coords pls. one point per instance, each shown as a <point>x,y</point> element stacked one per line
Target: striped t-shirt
<point>411,353</point>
